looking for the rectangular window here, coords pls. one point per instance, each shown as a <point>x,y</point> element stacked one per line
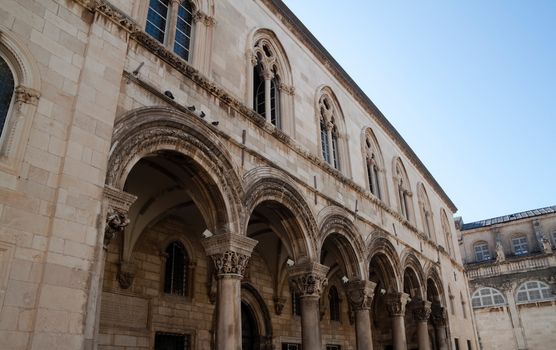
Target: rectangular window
<point>520,245</point>
<point>481,252</point>
<point>172,341</point>
<point>469,345</point>
<point>333,347</point>
<point>156,19</point>
<point>291,346</point>
<point>456,341</point>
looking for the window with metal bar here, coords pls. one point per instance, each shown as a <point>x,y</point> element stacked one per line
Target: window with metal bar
<point>156,19</point>
<point>182,43</point>
<point>172,341</point>
<point>175,276</point>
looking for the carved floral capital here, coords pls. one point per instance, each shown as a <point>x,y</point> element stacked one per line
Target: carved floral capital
<point>360,294</point>
<point>396,302</point>
<point>26,95</point>
<point>230,253</point>
<point>421,310</point>
<point>309,279</point>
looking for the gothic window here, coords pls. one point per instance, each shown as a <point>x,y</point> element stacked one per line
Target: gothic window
<point>372,169</point>
<point>329,134</point>
<point>426,211</point>
<point>296,303</point>
<point>533,291</point>
<point>7,86</point>
<point>334,304</point>
<point>446,230</point>
<point>172,341</point>
<point>403,189</point>
<point>175,274</point>
<point>520,245</point>
<point>487,297</point>
<point>161,16</point>
<point>464,312</point>
<point>482,253</point>
<point>266,83</point>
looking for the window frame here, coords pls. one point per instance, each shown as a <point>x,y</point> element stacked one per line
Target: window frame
<point>541,288</point>
<point>189,337</point>
<point>492,293</point>
<point>484,257</point>
<point>518,242</point>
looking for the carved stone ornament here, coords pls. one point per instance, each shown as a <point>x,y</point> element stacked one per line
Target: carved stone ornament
<point>202,17</point>
<point>421,310</point>
<point>309,279</point>
<point>230,253</point>
<point>360,294</point>
<point>438,314</point>
<point>25,94</point>
<point>126,274</point>
<point>118,203</point>
<point>396,302</point>
<point>279,303</point>
<point>116,221</point>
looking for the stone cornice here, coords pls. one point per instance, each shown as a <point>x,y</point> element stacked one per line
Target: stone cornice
<point>284,14</point>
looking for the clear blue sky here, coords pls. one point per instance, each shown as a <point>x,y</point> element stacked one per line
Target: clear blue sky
<point>470,85</point>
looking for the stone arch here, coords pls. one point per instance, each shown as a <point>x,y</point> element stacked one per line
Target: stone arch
<point>425,210</point>
<point>257,305</point>
<point>266,184</point>
<point>434,282</point>
<point>326,93</point>
<point>404,195</point>
<point>153,130</point>
<point>24,98</point>
<point>284,67</point>
<point>413,275</point>
<point>334,223</point>
<point>381,249</point>
<point>446,230</point>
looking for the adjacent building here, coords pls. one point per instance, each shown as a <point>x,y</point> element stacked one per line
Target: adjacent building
<point>510,262</point>
<point>204,175</point>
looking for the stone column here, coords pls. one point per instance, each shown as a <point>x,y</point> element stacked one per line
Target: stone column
<point>421,312</point>
<point>230,254</point>
<point>438,316</point>
<point>360,296</point>
<point>309,280</point>
<point>395,303</point>
<point>172,18</point>
<point>267,86</point>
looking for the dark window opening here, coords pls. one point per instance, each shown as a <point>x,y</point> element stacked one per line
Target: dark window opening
<point>334,301</point>
<point>6,91</point>
<point>172,341</point>
<point>175,276</point>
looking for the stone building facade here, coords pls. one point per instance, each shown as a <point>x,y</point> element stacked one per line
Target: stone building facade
<point>203,174</point>
<point>510,262</point>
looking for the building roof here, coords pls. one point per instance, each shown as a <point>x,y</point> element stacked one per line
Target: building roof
<point>507,218</point>
<point>294,24</point>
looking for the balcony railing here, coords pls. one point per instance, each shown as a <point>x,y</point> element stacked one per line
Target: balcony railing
<point>493,268</point>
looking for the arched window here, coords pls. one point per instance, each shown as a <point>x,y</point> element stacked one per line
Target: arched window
<point>296,303</point>
<point>403,189</point>
<point>482,253</point>
<point>373,164</point>
<point>175,274</point>
<point>426,211</point>
<point>171,24</point>
<point>334,304</point>
<point>7,86</point>
<point>487,297</point>
<point>329,115</point>
<point>520,245</point>
<point>266,83</point>
<point>534,291</point>
<point>447,231</point>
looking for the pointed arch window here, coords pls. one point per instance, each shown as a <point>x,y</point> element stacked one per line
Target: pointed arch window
<point>334,304</point>
<point>372,166</point>
<point>266,83</point>
<point>426,211</point>
<point>175,273</point>
<point>447,231</point>
<point>7,87</point>
<point>329,138</point>
<point>171,23</point>
<point>403,190</point>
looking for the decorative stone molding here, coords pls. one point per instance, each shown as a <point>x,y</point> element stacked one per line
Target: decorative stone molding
<point>199,16</point>
<point>396,302</point>
<point>126,274</point>
<point>287,89</point>
<point>111,12</point>
<point>118,203</point>
<point>230,253</point>
<point>279,303</point>
<point>25,94</point>
<point>309,279</point>
<point>421,310</point>
<point>360,294</point>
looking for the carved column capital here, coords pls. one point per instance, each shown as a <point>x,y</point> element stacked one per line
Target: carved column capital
<point>360,294</point>
<point>438,314</point>
<point>309,279</point>
<point>230,253</point>
<point>118,203</point>
<point>208,21</point>
<point>396,302</point>
<point>421,310</point>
